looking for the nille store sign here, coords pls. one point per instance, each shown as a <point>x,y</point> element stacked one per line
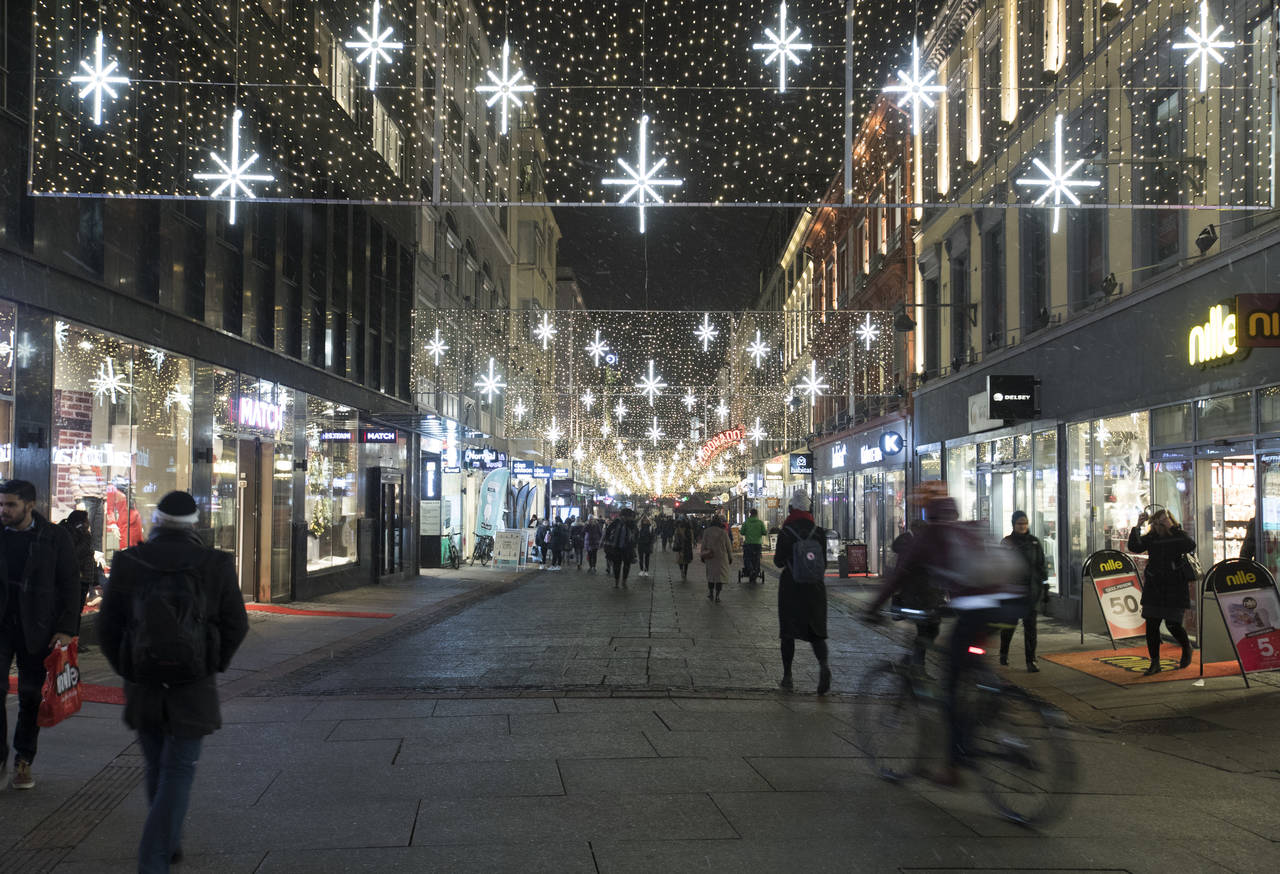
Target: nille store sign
<point>1257,320</point>
<point>1215,341</point>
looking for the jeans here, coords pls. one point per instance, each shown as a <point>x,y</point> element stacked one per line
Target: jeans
<point>171,768</point>
<point>591,557</point>
<point>644,558</point>
<point>30,683</point>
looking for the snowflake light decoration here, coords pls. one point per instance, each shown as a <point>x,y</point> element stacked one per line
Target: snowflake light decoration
<point>97,80</point>
<point>706,332</point>
<point>690,400</point>
<point>375,45</point>
<point>554,432</point>
<point>652,385</point>
<point>1057,181</point>
<point>545,331</point>
<point>437,347</point>
<point>588,399</point>
<point>519,410</point>
<point>915,88</point>
<point>813,385</point>
<point>642,179</point>
<point>783,47</point>
<point>157,357</point>
<point>490,385</point>
<point>108,382</point>
<point>579,453</point>
<point>620,410</point>
<point>178,397</point>
<point>60,329</point>
<point>25,350</point>
<point>868,333</point>
<point>1203,45</point>
<point>597,348</point>
<point>654,433</point>
<point>605,430</point>
<point>6,351</point>
<point>756,433</point>
<point>234,175</point>
<point>722,411</point>
<point>758,349</point>
<point>506,88</point>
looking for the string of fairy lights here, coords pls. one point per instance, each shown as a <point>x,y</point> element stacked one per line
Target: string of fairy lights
<point>645,104</point>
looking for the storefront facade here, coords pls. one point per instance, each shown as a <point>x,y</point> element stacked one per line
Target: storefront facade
<point>1136,411</point>
<point>860,488</point>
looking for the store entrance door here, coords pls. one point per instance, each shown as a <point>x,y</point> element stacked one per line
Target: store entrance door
<point>1001,490</point>
<point>253,553</point>
<point>873,519</point>
<point>386,488</point>
<point>1226,492</point>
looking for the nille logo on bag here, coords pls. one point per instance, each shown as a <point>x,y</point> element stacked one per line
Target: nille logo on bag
<point>68,678</point>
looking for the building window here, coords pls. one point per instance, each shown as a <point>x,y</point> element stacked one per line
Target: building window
<point>331,506</point>
<point>959,310</point>
<point>387,139</point>
<point>342,82</point>
<point>1033,228</point>
<point>993,287</point>
<point>932,329</point>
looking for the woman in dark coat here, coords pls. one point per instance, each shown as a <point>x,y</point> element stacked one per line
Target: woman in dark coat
<point>684,546</point>
<point>591,541</point>
<point>802,608</point>
<point>1165,596</point>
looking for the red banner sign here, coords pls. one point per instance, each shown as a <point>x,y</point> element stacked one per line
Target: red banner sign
<point>719,443</point>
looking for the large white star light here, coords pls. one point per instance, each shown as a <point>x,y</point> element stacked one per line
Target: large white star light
<point>1057,181</point>
<point>554,432</point>
<point>813,385</point>
<point>490,385</point>
<point>1203,45</point>
<point>519,410</point>
<point>108,382</point>
<point>506,88</point>
<point>578,453</point>
<point>375,45</point>
<point>868,333</point>
<point>756,433</point>
<point>641,180</point>
<point>545,331</point>
<point>783,46</point>
<point>915,88</point>
<point>597,349</point>
<point>690,400</point>
<point>758,349</point>
<point>605,430</point>
<point>437,347</point>
<point>619,410</point>
<point>98,80</point>
<point>722,411</point>
<point>654,433</point>
<point>706,332</point>
<point>234,175</point>
<point>652,385</point>
<point>588,399</point>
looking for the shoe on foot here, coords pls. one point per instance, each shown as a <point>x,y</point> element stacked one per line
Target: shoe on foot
<point>824,681</point>
<point>717,599</point>
<point>1154,669</point>
<point>1185,662</point>
<point>1033,668</point>
<point>1004,658</point>
<point>785,682</point>
<point>22,778</point>
<point>711,596</point>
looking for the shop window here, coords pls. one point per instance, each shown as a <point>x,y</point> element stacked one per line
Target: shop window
<point>1267,546</point>
<point>962,481</point>
<point>1171,425</point>
<point>8,341</point>
<point>1044,499</point>
<point>1269,408</point>
<point>332,505</point>
<point>1229,416</point>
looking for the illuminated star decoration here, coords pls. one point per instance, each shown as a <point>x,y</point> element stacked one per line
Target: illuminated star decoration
<point>783,48</point>
<point>98,79</point>
<point>706,332</point>
<point>233,173</point>
<point>756,433</point>
<point>654,433</point>
<point>579,453</point>
<point>690,400</point>
<point>722,410</point>
<point>812,385</point>
<point>1056,181</point>
<point>554,433</point>
<point>437,347</point>
<point>758,349</point>
<point>915,88</point>
<point>619,410</point>
<point>375,47</point>
<point>108,382</point>
<point>652,385</point>
<point>588,399</point>
<point>60,334</point>
<point>868,332</point>
<point>25,350</point>
<point>157,357</point>
<point>597,348</point>
<point>507,88</point>
<point>178,397</point>
<point>519,410</point>
<point>1203,45</point>
<point>641,181</point>
<point>490,385</point>
<point>545,331</point>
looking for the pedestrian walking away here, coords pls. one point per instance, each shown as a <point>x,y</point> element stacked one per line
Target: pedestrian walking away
<point>558,539</point>
<point>644,544</point>
<point>591,539</point>
<point>753,532</point>
<point>620,546</point>
<point>171,620</point>
<point>714,552</point>
<point>1028,547</point>
<point>802,603</point>
<point>1166,585</point>
<point>683,543</point>
<point>77,526</point>
<point>39,609</point>
<point>577,532</point>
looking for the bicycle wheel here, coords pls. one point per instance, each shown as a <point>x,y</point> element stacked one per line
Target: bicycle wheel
<point>1023,752</point>
<point>890,726</point>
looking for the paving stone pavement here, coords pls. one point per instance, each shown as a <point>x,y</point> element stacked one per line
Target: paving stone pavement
<point>545,722</point>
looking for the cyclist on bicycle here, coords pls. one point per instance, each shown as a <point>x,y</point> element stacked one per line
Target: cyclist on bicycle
<point>753,531</point>
<point>982,585</point>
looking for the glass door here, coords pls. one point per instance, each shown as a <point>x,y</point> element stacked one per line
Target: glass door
<point>1267,548</point>
<point>1230,504</point>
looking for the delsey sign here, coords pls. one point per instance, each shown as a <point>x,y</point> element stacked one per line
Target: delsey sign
<point>1215,342</point>
<point>1011,397</point>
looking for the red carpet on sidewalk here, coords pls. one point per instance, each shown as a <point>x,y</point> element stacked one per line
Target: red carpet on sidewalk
<point>1125,667</point>
<point>295,611</point>
<point>89,692</point>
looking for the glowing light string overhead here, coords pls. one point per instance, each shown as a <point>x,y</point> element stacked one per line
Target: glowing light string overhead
<point>97,80</point>
<point>437,347</point>
<point>868,333</point>
<point>812,385</point>
<point>758,349</point>
<point>783,46</point>
<point>655,433</point>
<point>643,178</point>
<point>597,349</point>
<point>545,331</point>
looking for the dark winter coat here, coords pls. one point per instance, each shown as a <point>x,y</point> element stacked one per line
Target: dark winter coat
<point>1032,552</point>
<point>1165,593</point>
<point>49,599</point>
<point>620,540</point>
<point>592,536</point>
<point>802,608</point>
<point>684,543</point>
<point>577,535</point>
<point>190,710</point>
<point>559,536</point>
<point>644,538</point>
<point>86,567</point>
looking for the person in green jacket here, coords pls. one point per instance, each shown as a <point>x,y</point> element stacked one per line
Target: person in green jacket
<point>753,531</point>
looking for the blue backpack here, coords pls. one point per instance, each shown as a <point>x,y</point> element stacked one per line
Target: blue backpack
<point>808,561</point>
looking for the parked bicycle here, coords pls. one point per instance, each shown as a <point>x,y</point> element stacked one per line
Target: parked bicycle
<point>483,550</point>
<point>1018,744</point>
<point>453,555</point>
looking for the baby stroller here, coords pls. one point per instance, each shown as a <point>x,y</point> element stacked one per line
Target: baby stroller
<point>751,569</point>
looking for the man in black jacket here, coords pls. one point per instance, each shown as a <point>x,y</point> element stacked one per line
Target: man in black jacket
<point>171,719</point>
<point>39,609</point>
<point>1027,545</point>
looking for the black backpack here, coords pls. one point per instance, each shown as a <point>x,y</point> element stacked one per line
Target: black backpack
<point>808,561</point>
<point>168,640</point>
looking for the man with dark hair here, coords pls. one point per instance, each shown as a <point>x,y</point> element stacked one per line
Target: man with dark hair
<point>39,609</point>
<point>172,618</point>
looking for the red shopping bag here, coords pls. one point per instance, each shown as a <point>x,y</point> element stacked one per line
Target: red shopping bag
<point>60,696</point>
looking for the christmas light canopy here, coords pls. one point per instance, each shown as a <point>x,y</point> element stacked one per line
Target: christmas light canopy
<point>490,385</point>
<point>507,87</point>
<point>374,44</point>
<point>640,181</point>
<point>98,80</point>
<point>915,88</point>
<point>1057,181</point>
<point>1203,45</point>
<point>234,172</point>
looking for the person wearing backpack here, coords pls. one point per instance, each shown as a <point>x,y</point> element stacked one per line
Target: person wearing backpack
<point>802,590</point>
<point>172,619</point>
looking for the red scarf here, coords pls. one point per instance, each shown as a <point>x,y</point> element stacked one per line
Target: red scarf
<point>797,515</point>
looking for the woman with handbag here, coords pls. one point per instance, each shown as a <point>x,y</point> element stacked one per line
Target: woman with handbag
<point>1164,589</point>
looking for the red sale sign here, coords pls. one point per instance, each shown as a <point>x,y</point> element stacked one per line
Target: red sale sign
<point>1251,610</point>
<point>1121,600</point>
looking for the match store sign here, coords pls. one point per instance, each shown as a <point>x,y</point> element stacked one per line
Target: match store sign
<point>1250,607</point>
